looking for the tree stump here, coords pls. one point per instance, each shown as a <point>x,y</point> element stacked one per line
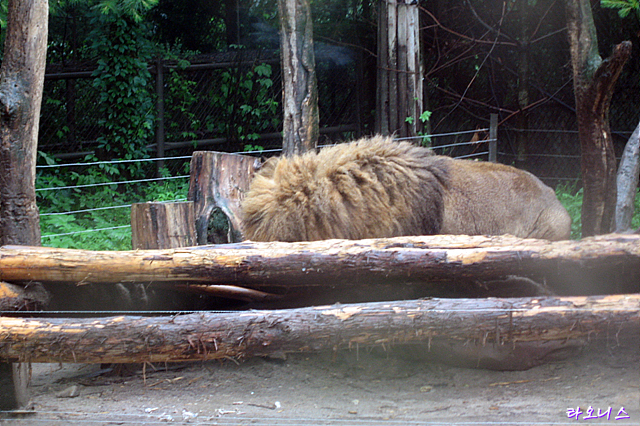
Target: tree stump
<point>163,225</point>
<point>219,181</point>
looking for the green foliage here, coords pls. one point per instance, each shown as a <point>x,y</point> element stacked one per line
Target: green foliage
<point>424,118</point>
<point>625,7</point>
<point>245,104</point>
<point>126,102</point>
<point>89,204</point>
<point>571,199</point>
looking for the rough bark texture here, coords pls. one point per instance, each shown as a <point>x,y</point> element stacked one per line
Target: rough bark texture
<point>22,298</point>
<point>219,180</point>
<point>332,264</point>
<point>162,225</point>
<point>300,91</point>
<point>627,180</point>
<point>561,323</point>
<point>21,84</point>
<point>593,82</point>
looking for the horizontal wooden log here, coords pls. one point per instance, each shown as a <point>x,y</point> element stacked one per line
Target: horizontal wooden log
<point>481,323</point>
<point>332,263</point>
<point>21,298</point>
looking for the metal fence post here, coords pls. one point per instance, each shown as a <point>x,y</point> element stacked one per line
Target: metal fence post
<point>493,138</point>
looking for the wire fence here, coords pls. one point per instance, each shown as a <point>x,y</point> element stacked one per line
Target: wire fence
<point>86,227</point>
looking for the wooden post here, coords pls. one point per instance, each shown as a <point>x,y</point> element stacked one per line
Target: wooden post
<point>399,93</point>
<point>493,138</point>
<point>219,180</point>
<point>163,225</point>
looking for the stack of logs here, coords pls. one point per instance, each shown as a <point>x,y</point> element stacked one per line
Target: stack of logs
<point>295,276</point>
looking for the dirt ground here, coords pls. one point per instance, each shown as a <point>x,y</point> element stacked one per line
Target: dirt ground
<point>345,388</point>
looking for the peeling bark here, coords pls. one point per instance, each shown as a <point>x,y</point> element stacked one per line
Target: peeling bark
<point>627,180</point>
<point>330,264</point>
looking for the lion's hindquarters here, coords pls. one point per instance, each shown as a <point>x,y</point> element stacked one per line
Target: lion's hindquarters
<point>493,199</point>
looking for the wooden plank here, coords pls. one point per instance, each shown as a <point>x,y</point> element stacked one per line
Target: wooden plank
<point>392,63</point>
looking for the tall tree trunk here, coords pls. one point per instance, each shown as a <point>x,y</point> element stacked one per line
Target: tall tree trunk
<point>300,91</point>
<point>593,82</point>
<point>21,85</point>
<point>628,176</point>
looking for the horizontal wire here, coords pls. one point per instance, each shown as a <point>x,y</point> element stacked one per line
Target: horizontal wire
<point>103,208</point>
<point>86,210</point>
<point>95,163</point>
<point>92,185</point>
<point>85,231</point>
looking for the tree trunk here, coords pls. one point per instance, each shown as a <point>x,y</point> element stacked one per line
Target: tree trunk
<point>515,325</point>
<point>21,85</point>
<point>627,180</point>
<point>328,264</point>
<point>300,91</point>
<point>593,82</point>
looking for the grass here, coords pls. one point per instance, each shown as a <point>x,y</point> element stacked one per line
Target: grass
<point>571,199</point>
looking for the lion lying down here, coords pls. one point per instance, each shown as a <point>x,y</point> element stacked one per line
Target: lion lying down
<point>375,187</point>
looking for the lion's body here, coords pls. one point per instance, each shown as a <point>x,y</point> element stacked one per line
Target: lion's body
<point>493,199</point>
<point>375,187</point>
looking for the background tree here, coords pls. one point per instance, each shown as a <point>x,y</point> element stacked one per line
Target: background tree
<point>299,87</point>
<point>593,82</point>
<point>21,86</point>
<point>629,168</point>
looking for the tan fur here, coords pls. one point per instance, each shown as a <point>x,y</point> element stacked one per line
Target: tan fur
<point>484,198</point>
<point>369,188</point>
<point>375,187</point>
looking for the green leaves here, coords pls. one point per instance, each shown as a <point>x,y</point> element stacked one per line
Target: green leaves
<point>126,100</point>
<point>625,7</point>
<point>134,9</point>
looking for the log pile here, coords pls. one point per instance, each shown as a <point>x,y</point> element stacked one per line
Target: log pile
<point>505,333</point>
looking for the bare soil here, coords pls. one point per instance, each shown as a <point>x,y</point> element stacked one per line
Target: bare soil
<point>345,388</point>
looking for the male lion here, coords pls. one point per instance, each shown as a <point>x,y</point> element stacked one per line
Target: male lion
<point>375,187</point>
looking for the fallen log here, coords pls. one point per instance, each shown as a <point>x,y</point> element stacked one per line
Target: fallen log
<point>523,331</point>
<point>22,298</point>
<point>332,263</point>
